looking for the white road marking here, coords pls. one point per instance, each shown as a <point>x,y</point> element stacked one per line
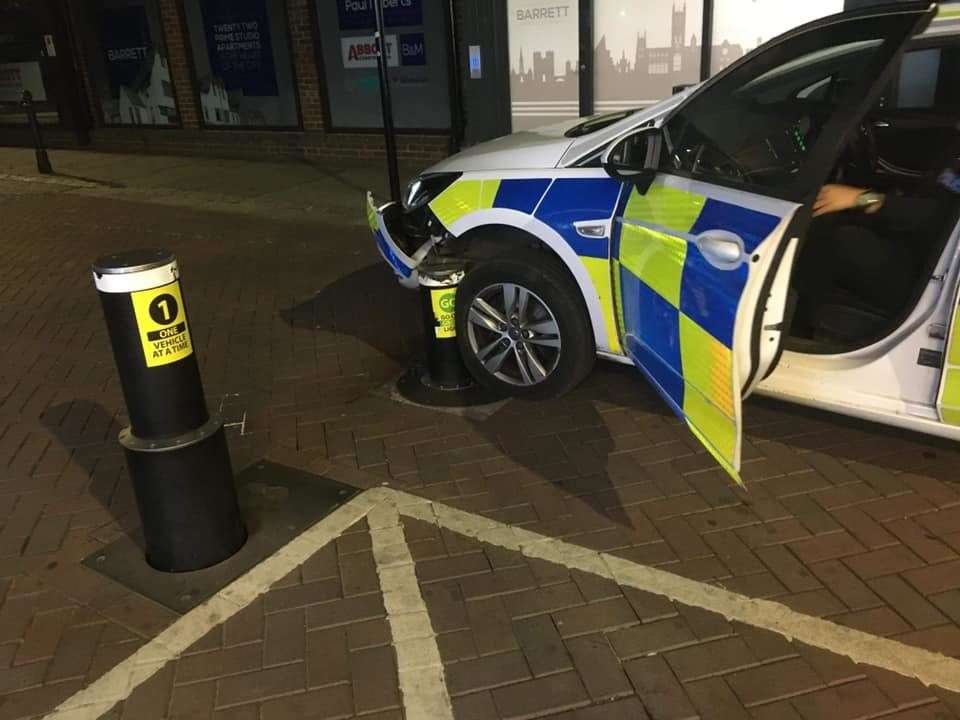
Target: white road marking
<point>421,673</point>
<point>117,684</point>
<point>419,667</point>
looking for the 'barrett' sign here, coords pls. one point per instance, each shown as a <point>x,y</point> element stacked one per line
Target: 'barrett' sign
<point>358,14</point>
<point>546,12</point>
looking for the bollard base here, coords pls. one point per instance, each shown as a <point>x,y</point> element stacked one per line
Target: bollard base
<point>186,497</point>
<point>278,504</point>
<point>43,163</point>
<point>417,386</point>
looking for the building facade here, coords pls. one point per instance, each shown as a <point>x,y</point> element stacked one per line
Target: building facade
<point>298,78</point>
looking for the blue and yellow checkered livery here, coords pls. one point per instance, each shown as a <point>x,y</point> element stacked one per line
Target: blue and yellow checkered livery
<point>679,313</point>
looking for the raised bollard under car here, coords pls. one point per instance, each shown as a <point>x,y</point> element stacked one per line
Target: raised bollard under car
<point>176,451</point>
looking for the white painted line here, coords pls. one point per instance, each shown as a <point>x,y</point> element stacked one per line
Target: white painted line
<point>117,684</point>
<point>419,667</point>
<point>420,670</point>
<point>930,668</point>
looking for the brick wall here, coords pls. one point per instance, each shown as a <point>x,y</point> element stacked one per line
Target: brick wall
<point>311,143</point>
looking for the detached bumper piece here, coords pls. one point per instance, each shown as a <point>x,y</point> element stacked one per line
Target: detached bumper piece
<point>397,249</point>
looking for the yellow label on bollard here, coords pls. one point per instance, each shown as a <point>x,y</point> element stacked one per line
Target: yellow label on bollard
<point>444,303</point>
<point>162,324</point>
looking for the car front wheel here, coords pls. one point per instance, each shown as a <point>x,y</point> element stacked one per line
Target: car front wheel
<point>522,327</point>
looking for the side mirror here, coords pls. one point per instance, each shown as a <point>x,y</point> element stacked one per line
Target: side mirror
<point>633,158</point>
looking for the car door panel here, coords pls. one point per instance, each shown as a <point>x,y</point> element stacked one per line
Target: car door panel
<point>679,310</point>
<point>696,255</point>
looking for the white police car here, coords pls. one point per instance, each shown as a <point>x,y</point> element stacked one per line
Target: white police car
<point>667,238</point>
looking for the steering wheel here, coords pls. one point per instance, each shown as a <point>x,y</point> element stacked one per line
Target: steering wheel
<point>732,168</point>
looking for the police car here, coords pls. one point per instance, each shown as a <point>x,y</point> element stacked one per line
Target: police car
<point>668,238</point>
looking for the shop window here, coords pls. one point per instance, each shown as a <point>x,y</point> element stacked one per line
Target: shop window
<point>417,61</point>
<point>26,63</point>
<point>128,65</point>
<point>242,62</point>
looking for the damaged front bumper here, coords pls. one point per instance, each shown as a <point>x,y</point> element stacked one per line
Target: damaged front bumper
<point>402,253</point>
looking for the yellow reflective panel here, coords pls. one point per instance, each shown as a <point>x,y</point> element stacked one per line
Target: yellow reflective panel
<point>656,258</point>
<point>668,207</point>
<point>462,198</point>
<point>950,405</point>
<point>708,398</point>
<point>599,271</point>
<point>372,217</point>
<point>954,357</point>
<point>618,303</point>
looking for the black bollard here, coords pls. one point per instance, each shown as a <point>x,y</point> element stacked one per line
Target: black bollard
<point>176,452</point>
<point>43,162</point>
<point>444,380</point>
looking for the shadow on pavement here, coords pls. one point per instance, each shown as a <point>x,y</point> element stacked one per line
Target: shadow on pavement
<point>569,441</point>
<point>83,427</point>
<point>367,304</point>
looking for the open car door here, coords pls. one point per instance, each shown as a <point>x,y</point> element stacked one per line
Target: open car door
<point>705,240</point>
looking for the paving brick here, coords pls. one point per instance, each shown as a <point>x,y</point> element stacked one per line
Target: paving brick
<point>341,612</point>
<point>150,700</point>
<point>335,701</point>
<point>662,695</point>
<point>869,532</point>
<point>911,534</point>
<point>603,615</point>
<point>358,574</point>
<point>830,667</point>
<point>598,667</point>
<point>877,621</point>
<point>75,652</point>
<point>297,596</point>
<point>790,571</point>
<point>327,657</point>
<point>219,663</point>
<point>553,693</point>
<point>713,658</point>
<point>826,547</point>
<point>651,637</point>
<point>772,682</point>
<point>705,625</point>
<point>907,602</point>
<point>370,633</point>
<point>477,706</point>
<point>542,600</point>
<point>542,645</point>
<point>43,636</point>
<point>285,637</point>
<point>246,626</point>
<point>486,672</point>
<point>887,561</point>
<point>844,585</point>
<point>714,698</point>
<point>935,578</point>
<point>498,582</point>
<point>491,626</point>
<point>843,702</point>
<point>373,673</point>
<point>944,639</point>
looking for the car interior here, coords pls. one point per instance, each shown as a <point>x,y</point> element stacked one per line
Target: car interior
<point>842,300</point>
<point>856,277</point>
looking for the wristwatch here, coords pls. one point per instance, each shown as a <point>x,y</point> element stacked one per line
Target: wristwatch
<point>868,200</point>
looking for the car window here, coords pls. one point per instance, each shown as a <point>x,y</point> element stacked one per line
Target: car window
<point>930,80</point>
<point>756,125</point>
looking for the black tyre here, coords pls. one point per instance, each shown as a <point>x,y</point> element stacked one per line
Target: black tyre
<point>523,328</point>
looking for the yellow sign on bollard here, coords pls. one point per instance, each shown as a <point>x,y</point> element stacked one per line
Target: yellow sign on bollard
<point>162,324</point>
<point>444,302</point>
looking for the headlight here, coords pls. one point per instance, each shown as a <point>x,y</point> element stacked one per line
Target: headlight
<point>425,188</point>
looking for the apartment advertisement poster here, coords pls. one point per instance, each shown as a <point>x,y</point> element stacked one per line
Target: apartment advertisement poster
<point>19,76</point>
<point>125,38</point>
<point>239,45</point>
<point>359,14</point>
<point>544,60</point>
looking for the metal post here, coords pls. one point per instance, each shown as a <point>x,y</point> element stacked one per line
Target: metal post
<point>386,106</point>
<point>176,452</point>
<point>43,162</point>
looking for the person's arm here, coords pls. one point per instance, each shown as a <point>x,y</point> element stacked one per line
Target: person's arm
<point>898,213</point>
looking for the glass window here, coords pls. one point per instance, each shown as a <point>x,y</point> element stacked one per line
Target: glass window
<point>417,63</point>
<point>544,46</point>
<point>733,38</point>
<point>241,55</point>
<point>644,50</point>
<point>128,65</point>
<point>26,63</point>
<point>756,126</point>
<point>930,80</point>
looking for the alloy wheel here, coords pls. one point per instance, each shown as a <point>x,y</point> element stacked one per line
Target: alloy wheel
<point>514,334</point>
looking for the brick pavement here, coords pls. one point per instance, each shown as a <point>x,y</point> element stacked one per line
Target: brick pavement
<point>841,520</point>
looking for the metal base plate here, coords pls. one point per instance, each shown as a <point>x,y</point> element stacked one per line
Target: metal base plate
<point>414,385</point>
<point>278,503</point>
